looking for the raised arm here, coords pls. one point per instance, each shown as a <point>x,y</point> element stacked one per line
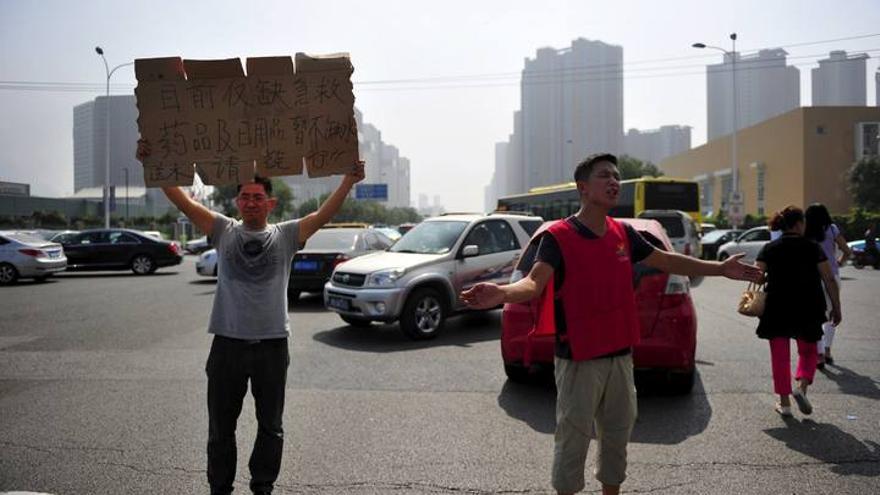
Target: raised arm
<point>198,214</point>
<point>310,223</point>
<point>488,295</point>
<point>732,268</point>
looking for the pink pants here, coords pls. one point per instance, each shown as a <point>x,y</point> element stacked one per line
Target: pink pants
<point>780,356</point>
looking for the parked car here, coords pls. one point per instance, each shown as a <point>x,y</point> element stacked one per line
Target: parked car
<point>155,234</point>
<point>705,228</point>
<point>860,258</point>
<point>326,248</point>
<point>120,249</point>
<point>198,246</point>
<point>666,315</point>
<point>206,265</point>
<point>710,242</point>
<point>24,255</point>
<point>418,279</point>
<point>392,234</point>
<point>681,229</point>
<point>405,227</point>
<point>749,242</point>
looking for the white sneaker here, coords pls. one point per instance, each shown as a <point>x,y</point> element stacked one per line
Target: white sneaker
<point>784,411</point>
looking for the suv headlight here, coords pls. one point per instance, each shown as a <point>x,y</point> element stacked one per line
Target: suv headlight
<point>385,278</point>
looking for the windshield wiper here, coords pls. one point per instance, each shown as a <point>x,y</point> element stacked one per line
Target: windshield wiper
<point>404,251</point>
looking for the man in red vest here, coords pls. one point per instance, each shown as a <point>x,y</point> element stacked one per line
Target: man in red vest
<point>589,256</point>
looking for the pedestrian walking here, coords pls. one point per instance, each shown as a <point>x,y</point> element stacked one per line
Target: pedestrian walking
<point>822,229</point>
<point>589,257</point>
<point>249,320</point>
<point>795,269</point>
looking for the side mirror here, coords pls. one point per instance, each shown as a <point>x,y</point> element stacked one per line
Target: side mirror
<point>470,250</point>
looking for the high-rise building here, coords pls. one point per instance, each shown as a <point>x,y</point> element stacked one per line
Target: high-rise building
<point>572,106</point>
<point>90,138</point>
<point>877,88</point>
<point>656,145</point>
<point>840,80</point>
<point>766,86</point>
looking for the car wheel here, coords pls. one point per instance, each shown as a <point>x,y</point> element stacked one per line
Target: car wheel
<point>143,265</point>
<point>356,322</point>
<point>423,314</point>
<point>292,295</point>
<point>516,373</point>
<point>682,383</point>
<point>8,274</point>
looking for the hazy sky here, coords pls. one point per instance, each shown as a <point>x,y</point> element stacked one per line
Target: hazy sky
<point>439,79</point>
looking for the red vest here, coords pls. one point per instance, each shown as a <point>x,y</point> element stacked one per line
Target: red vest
<point>597,293</point>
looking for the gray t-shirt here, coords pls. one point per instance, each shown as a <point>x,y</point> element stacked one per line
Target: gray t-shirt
<point>253,268</point>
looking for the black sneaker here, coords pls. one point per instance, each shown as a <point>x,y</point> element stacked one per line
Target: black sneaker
<point>802,402</point>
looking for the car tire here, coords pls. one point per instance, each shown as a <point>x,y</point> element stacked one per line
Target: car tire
<point>292,296</point>
<point>356,322</point>
<point>682,383</point>
<point>8,274</point>
<point>516,373</point>
<point>423,314</point>
<point>143,265</point>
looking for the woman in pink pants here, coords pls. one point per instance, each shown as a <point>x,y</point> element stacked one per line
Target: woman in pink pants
<point>795,269</point>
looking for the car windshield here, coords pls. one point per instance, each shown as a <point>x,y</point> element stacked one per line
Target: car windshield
<point>430,238</point>
<point>715,235</point>
<point>339,239</point>
<point>673,225</point>
<point>25,237</point>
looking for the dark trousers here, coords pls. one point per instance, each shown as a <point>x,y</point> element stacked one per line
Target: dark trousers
<point>231,364</point>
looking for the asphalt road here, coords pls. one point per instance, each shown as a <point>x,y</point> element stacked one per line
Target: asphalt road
<point>102,390</point>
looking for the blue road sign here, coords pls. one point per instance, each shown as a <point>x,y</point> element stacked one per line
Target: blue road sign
<point>371,191</point>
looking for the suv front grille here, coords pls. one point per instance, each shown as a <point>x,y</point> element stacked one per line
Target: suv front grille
<point>349,279</point>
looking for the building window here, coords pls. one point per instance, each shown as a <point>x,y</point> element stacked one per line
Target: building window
<point>726,189</point>
<point>867,140</point>
<point>707,188</point>
<point>820,129</point>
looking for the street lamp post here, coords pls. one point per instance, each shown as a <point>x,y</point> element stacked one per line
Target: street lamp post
<point>734,169</point>
<point>106,194</point>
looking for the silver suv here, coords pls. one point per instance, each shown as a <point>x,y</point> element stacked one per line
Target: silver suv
<point>418,279</point>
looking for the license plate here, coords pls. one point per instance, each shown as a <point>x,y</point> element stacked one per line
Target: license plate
<point>54,254</point>
<point>339,303</point>
<point>305,266</point>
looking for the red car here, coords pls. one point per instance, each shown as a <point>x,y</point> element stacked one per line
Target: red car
<point>666,313</point>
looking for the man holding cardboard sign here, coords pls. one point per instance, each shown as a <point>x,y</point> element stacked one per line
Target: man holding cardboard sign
<point>249,320</point>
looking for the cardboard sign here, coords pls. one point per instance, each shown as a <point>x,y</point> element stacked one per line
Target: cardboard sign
<point>207,116</point>
<point>330,129</point>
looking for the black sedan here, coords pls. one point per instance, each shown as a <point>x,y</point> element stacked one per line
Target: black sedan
<point>326,248</point>
<point>713,240</point>
<point>119,249</point>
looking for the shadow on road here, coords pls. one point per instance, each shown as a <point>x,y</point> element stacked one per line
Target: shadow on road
<point>851,383</point>
<point>829,444</point>
<point>662,419</point>
<point>204,281</point>
<point>462,331</point>
<point>120,274</point>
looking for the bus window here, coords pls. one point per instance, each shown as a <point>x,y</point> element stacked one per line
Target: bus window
<point>682,196</point>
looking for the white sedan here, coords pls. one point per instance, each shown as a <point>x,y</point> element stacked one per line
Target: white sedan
<point>207,263</point>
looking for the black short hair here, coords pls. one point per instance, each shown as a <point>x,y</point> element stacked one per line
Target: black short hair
<point>585,168</point>
<point>267,184</point>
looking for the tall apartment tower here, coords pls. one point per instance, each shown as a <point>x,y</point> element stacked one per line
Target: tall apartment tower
<point>656,145</point>
<point>840,80</point>
<point>877,88</point>
<point>90,137</point>
<point>766,87</point>
<point>572,106</point>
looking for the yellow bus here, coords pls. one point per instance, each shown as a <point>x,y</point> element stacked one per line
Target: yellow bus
<point>636,196</point>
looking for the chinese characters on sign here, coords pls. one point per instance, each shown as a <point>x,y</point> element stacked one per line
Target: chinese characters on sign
<point>206,116</point>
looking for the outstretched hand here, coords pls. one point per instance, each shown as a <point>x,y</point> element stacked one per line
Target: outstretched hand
<point>483,296</point>
<point>735,269</point>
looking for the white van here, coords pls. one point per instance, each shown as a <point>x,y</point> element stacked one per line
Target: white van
<point>681,229</point>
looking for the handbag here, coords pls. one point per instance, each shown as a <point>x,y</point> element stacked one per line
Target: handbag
<point>753,300</point>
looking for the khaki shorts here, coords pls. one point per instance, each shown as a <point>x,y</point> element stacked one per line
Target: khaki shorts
<point>595,399</point>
